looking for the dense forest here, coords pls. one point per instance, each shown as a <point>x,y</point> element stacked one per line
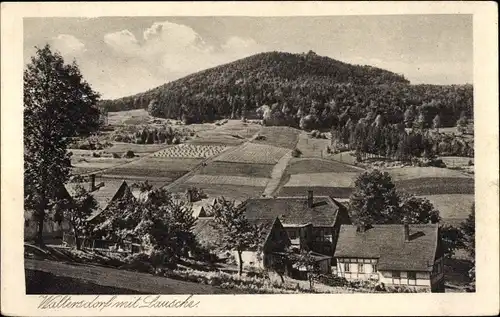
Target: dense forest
<point>303,90</point>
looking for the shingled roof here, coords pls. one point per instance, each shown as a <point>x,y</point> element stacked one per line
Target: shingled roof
<point>209,235</point>
<point>294,210</point>
<point>387,244</point>
<point>103,194</point>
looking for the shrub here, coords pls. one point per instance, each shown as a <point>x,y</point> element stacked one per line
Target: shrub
<point>95,154</point>
<point>85,146</point>
<point>129,154</point>
<point>470,163</point>
<point>331,280</point>
<point>176,140</point>
<point>296,153</point>
<point>116,155</point>
<point>139,262</point>
<point>260,138</point>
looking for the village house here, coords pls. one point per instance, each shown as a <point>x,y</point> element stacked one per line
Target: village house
<point>395,255</point>
<point>56,232</point>
<point>274,242</point>
<point>311,222</point>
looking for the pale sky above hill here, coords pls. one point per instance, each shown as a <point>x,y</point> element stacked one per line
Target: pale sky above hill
<point>123,56</point>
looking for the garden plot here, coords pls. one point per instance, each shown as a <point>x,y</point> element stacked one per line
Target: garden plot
<point>229,180</point>
<point>285,137</point>
<point>191,151</point>
<point>322,180</point>
<point>254,153</point>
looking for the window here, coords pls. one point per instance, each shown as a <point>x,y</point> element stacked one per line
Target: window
<point>361,268</point>
<point>396,278</point>
<point>292,234</point>
<point>374,268</point>
<point>347,267</point>
<point>412,278</point>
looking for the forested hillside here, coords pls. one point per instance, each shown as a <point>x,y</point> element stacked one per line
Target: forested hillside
<point>303,90</point>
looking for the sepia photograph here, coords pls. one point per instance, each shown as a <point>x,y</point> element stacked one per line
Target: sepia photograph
<point>249,155</point>
<point>212,155</point>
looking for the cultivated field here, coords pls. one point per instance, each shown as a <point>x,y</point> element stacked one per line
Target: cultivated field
<point>300,165</point>
<point>83,165</point>
<point>335,192</point>
<point>237,169</point>
<point>284,137</point>
<point>161,169</point>
<point>452,206</point>
<point>322,180</point>
<point>407,173</point>
<point>254,153</point>
<point>437,186</point>
<point>232,192</point>
<point>138,149</point>
<point>190,151</point>
<point>234,132</point>
<point>228,180</point>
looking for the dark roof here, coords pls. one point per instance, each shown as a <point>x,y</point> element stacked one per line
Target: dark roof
<point>104,194</point>
<point>294,210</point>
<point>387,244</point>
<point>207,234</point>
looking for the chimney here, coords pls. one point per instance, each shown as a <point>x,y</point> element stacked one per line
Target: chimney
<point>92,182</point>
<point>189,195</point>
<point>406,229</point>
<point>310,198</point>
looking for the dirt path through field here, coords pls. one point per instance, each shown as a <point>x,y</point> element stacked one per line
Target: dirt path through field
<point>277,174</point>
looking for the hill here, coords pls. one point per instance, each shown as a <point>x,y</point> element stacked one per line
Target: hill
<point>293,86</point>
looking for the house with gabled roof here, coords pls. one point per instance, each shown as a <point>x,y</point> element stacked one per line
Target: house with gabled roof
<point>274,240</point>
<point>311,222</point>
<point>393,254</point>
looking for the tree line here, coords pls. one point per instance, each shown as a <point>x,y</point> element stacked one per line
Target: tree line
<point>299,85</point>
<point>372,136</point>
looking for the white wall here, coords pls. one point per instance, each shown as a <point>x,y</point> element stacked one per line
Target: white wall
<point>422,278</point>
<point>250,257</point>
<point>354,271</point>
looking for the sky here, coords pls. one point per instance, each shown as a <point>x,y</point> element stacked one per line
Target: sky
<point>121,56</point>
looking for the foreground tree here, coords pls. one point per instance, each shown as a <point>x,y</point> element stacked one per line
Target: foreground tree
<point>58,104</point>
<point>374,199</point>
<point>306,260</point>
<point>237,233</point>
<point>452,239</point>
<point>417,210</point>
<point>165,227</point>
<point>82,206</point>
<point>468,228</point>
